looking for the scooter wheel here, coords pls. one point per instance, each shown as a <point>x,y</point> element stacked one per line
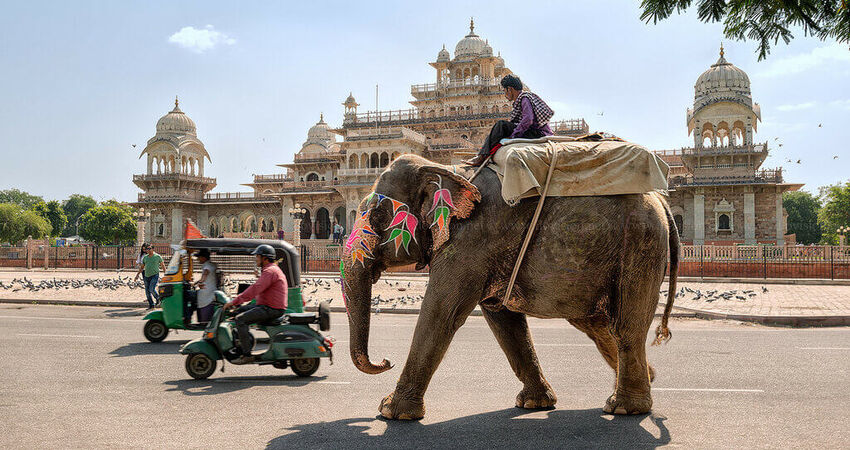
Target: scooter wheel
<point>200,366</point>
<point>155,330</point>
<point>304,367</point>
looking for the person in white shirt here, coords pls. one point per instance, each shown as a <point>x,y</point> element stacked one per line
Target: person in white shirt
<point>207,286</point>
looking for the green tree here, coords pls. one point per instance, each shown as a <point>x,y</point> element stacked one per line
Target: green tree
<point>53,212</point>
<point>74,208</point>
<point>835,211</point>
<point>18,197</point>
<point>802,208</point>
<point>17,223</point>
<point>762,21</point>
<point>108,224</point>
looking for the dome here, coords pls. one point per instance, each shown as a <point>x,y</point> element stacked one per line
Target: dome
<point>348,101</point>
<point>471,45</point>
<point>320,132</point>
<point>488,51</point>
<point>444,55</point>
<point>722,81</point>
<point>176,121</point>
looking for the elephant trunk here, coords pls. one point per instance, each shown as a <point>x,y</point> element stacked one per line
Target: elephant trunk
<point>358,296</point>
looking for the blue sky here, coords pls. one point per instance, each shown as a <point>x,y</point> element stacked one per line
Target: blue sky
<point>84,81</point>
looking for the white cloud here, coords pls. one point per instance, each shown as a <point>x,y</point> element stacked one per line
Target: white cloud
<point>805,61</point>
<point>845,104</point>
<point>199,40</point>
<point>796,107</point>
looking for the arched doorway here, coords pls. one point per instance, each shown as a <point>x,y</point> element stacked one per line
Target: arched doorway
<point>312,177</point>
<point>306,226</point>
<point>339,217</point>
<point>323,223</point>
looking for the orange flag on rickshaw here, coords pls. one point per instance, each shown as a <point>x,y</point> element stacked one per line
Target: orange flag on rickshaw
<point>191,231</point>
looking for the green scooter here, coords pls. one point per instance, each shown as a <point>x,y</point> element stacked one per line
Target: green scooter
<point>292,342</point>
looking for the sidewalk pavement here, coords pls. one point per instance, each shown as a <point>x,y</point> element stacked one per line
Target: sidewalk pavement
<point>752,301</point>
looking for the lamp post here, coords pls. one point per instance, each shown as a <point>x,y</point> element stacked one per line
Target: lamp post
<point>297,214</point>
<point>842,231</point>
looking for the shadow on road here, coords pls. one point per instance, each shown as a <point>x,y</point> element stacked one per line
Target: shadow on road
<point>126,312</point>
<point>149,348</point>
<point>213,386</point>
<point>498,429</point>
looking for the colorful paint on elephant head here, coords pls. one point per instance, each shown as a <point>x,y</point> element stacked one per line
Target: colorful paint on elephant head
<point>402,228</point>
<point>361,241</point>
<point>442,207</point>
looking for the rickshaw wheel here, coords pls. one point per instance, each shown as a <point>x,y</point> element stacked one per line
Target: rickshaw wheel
<point>200,366</point>
<point>155,330</point>
<point>304,367</point>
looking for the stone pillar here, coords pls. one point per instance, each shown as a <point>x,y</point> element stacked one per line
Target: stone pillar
<point>699,218</point>
<point>287,223</point>
<point>780,219</point>
<point>176,225</point>
<point>147,231</point>
<point>204,221</point>
<point>749,217</point>
<point>296,233</point>
<point>141,229</point>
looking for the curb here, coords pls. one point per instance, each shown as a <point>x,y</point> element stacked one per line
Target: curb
<point>683,312</point>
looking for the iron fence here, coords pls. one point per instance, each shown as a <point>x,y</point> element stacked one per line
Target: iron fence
<point>738,261</point>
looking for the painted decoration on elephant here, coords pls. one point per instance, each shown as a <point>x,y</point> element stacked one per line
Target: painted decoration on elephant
<point>442,206</point>
<point>402,228</point>
<point>361,240</point>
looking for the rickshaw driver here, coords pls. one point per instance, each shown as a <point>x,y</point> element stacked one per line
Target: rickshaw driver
<point>270,292</point>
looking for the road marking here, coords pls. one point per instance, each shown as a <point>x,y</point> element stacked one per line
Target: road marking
<point>333,382</point>
<point>60,335</point>
<point>71,318</point>
<point>708,390</point>
<point>823,348</point>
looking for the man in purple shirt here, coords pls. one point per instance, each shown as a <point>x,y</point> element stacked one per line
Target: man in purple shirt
<point>529,119</point>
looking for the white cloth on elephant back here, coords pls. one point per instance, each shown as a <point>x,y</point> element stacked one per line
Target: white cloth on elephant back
<point>583,169</point>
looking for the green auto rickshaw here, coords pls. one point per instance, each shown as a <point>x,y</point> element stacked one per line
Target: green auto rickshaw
<point>177,296</point>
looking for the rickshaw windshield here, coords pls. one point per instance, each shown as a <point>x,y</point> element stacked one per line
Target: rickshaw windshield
<point>174,265</point>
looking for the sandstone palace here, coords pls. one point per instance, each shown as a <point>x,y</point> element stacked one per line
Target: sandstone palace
<point>718,191</point>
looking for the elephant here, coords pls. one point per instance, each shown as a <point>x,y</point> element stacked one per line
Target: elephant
<point>597,262</point>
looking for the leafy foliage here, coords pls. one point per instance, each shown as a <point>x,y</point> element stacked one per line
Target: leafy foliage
<point>109,223</point>
<point>16,223</point>
<point>762,21</point>
<point>18,197</point>
<point>74,208</point>
<point>53,212</point>
<point>835,211</point>
<point>802,208</point>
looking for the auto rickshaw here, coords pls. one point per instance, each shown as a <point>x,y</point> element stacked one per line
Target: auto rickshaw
<point>177,296</point>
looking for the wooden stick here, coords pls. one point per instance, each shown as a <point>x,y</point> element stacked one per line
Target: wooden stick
<point>481,167</point>
<point>532,226</point>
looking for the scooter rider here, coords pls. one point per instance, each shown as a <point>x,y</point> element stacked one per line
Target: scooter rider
<point>270,292</point>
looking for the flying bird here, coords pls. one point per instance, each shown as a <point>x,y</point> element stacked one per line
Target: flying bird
<point>798,161</point>
<point>820,125</point>
<point>134,145</point>
<point>835,157</point>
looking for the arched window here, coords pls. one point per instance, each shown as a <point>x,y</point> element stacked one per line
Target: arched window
<point>374,160</point>
<point>323,223</point>
<point>723,222</point>
<point>385,159</point>
<point>160,230</point>
<point>312,177</point>
<point>352,162</point>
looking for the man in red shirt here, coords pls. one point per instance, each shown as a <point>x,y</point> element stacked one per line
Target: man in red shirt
<point>270,292</point>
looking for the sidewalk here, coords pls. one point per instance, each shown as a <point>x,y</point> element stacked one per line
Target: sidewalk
<point>752,301</point>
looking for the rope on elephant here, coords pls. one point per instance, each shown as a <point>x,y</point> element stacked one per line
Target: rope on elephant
<point>533,225</point>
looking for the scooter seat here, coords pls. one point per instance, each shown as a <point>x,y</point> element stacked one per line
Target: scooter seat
<point>273,322</point>
<point>302,318</point>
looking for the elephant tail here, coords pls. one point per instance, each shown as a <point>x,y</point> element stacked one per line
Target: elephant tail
<point>662,333</point>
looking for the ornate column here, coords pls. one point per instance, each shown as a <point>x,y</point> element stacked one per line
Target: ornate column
<point>749,216</point>
<point>780,219</point>
<point>699,217</point>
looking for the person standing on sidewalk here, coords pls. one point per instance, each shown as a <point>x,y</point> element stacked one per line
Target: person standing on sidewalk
<point>152,265</point>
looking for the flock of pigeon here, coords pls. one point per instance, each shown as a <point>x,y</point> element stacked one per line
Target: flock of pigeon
<point>712,295</point>
<point>19,284</point>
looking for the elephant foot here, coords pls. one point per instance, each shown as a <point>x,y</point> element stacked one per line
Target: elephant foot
<point>401,409</point>
<point>621,404</point>
<point>537,397</point>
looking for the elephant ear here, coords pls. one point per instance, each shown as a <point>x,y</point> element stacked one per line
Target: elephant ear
<point>445,196</point>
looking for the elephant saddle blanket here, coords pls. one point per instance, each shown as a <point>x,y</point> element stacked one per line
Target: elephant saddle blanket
<point>582,168</point>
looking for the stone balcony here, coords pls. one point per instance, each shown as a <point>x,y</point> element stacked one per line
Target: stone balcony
<point>374,171</point>
<point>366,134</point>
<point>430,90</point>
<point>764,176</point>
<point>173,177</point>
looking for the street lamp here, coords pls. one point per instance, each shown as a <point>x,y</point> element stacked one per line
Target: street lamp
<point>297,213</point>
<point>842,231</point>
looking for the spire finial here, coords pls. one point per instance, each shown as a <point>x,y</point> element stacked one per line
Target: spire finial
<point>176,102</point>
<point>321,117</point>
<point>721,49</point>
<point>471,25</point>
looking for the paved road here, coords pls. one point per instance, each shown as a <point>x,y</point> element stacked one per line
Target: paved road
<point>85,377</point>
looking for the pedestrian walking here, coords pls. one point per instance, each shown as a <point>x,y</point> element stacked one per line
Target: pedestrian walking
<point>151,265</point>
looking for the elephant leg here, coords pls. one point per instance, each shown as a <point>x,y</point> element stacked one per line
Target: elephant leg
<point>598,329</point>
<point>638,298</point>
<point>512,333</point>
<point>439,319</point>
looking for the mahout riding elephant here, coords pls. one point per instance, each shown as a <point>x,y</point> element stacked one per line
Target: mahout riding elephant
<point>596,261</point>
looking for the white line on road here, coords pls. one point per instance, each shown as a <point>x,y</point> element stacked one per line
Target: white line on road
<point>707,390</point>
<point>105,319</point>
<point>60,335</point>
<point>823,348</point>
<point>333,382</point>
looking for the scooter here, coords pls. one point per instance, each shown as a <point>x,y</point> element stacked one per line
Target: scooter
<point>292,342</point>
